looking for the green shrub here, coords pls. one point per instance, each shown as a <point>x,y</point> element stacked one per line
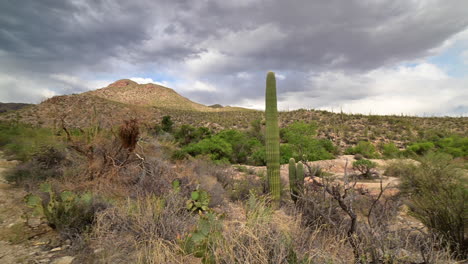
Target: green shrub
<point>364,167</point>
<point>22,141</point>
<point>215,147</point>
<point>67,212</point>
<point>187,134</point>
<point>364,148</point>
<point>399,168</point>
<point>390,150</point>
<point>420,148</point>
<point>166,124</point>
<point>437,192</point>
<point>302,143</point>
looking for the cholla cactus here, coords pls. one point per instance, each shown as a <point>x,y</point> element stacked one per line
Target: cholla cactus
<point>272,139</point>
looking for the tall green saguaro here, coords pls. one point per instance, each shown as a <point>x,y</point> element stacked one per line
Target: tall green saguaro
<point>272,139</point>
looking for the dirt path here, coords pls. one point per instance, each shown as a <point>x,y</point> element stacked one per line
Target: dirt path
<point>23,238</point>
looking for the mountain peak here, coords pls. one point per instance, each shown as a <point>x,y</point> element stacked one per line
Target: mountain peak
<point>122,83</point>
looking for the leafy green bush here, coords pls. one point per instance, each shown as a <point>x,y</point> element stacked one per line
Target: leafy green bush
<point>302,143</point>
<point>215,147</point>
<point>389,150</point>
<point>364,148</point>
<point>420,148</point>
<point>67,212</point>
<point>364,167</point>
<point>437,192</point>
<point>187,134</point>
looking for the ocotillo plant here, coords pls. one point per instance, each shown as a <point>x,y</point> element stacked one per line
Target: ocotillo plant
<point>292,179</point>
<point>272,139</point>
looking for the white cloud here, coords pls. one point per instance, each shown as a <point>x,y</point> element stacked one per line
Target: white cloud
<point>73,82</point>
<point>201,86</point>
<point>424,89</point>
<point>20,87</point>
<point>464,55</point>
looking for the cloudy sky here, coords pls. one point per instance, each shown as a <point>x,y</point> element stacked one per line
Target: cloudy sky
<point>362,56</point>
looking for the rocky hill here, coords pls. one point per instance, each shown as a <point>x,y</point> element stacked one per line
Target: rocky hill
<point>125,99</point>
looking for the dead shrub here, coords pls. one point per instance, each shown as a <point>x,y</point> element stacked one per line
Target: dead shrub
<point>129,132</point>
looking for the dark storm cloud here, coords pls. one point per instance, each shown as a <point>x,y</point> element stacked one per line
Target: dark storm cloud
<point>227,44</point>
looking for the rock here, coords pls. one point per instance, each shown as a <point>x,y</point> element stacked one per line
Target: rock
<point>34,222</point>
<point>56,249</point>
<point>63,260</point>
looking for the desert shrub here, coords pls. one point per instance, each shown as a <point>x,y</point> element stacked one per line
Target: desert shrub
<point>187,134</point>
<point>389,150</point>
<point>454,145</point>
<point>364,166</point>
<point>215,147</point>
<point>302,143</point>
<point>69,213</point>
<point>364,148</point>
<point>258,156</point>
<point>144,230</point>
<point>47,162</point>
<point>437,192</point>
<point>241,144</point>
<point>399,168</point>
<point>358,157</point>
<point>21,142</point>
<point>420,148</point>
<point>261,239</point>
<point>166,124</point>
<point>243,187</point>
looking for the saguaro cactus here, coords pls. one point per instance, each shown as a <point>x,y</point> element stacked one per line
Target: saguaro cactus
<point>292,179</point>
<point>300,176</point>
<point>272,139</point>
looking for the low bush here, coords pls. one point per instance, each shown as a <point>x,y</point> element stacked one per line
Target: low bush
<point>69,213</point>
<point>365,167</point>
<point>399,168</point>
<point>389,150</point>
<point>144,230</point>
<point>47,162</point>
<point>436,193</point>
<point>21,142</point>
<point>364,148</point>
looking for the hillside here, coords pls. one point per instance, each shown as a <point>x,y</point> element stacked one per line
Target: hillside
<point>126,99</point>
<point>129,92</point>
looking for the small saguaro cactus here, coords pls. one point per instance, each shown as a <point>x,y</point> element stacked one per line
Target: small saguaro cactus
<point>292,179</point>
<point>272,140</point>
<point>300,176</point>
